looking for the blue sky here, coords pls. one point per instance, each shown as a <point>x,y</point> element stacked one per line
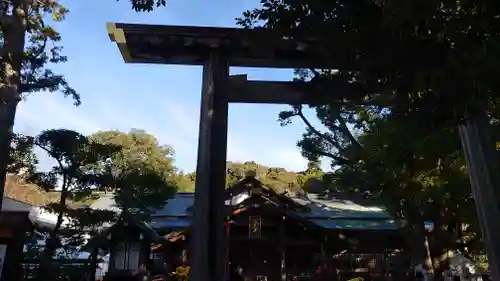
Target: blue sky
<point>163,100</point>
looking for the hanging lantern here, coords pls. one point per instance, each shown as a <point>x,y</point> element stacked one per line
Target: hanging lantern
<point>255,226</point>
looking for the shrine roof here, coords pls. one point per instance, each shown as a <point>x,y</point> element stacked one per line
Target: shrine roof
<point>354,224</point>
<point>332,207</point>
<point>13,205</point>
<point>189,45</point>
<point>328,212</point>
<point>178,206</point>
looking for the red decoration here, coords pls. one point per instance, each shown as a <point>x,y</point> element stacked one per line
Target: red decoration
<point>227,224</point>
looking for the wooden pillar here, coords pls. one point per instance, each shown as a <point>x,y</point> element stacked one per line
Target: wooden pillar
<point>283,250</point>
<point>208,229</point>
<point>13,237</point>
<point>479,153</point>
<point>227,249</point>
<point>323,255</point>
<point>93,264</point>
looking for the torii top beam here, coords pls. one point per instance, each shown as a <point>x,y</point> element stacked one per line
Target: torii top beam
<point>190,45</point>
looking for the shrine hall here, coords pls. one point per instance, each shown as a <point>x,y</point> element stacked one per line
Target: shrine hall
<point>284,236</point>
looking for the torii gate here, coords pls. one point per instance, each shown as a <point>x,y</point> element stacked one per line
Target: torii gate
<point>216,49</point>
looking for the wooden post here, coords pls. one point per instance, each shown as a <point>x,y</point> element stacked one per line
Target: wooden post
<point>283,250</point>
<point>93,264</point>
<point>227,249</point>
<point>208,229</point>
<point>323,256</point>
<point>479,153</point>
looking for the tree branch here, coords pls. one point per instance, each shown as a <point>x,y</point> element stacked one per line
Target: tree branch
<point>41,84</point>
<point>314,130</point>
<point>345,130</point>
<point>40,50</point>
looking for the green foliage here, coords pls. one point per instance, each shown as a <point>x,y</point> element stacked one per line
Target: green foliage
<point>23,159</point>
<point>28,46</point>
<point>406,73</point>
<point>185,182</point>
<point>141,191</point>
<point>312,179</point>
<point>134,166</point>
<point>276,178</point>
<point>428,61</point>
<point>141,172</point>
<point>146,5</point>
<point>73,153</point>
<point>138,148</point>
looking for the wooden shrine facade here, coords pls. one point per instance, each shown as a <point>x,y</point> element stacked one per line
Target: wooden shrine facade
<point>270,237</point>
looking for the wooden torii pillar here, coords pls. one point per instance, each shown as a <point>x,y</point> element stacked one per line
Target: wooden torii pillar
<point>218,48</point>
<point>207,252</point>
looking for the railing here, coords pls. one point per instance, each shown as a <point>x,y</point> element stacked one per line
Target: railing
<point>67,270</point>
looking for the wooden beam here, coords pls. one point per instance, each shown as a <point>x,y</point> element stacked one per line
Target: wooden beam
<point>189,45</point>
<point>118,36</point>
<point>286,242</point>
<point>242,90</point>
<point>207,249</point>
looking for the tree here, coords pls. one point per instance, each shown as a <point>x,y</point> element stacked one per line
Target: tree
<point>23,159</point>
<point>147,5</point>
<point>25,37</point>
<point>311,180</point>
<point>418,173</point>
<point>185,182</point>
<point>118,162</point>
<point>421,65</point>
<point>73,153</point>
<point>385,53</point>
<point>138,147</point>
<point>141,173</point>
<point>421,177</point>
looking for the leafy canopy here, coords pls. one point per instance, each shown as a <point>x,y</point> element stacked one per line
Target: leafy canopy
<point>146,5</point>
<point>428,61</point>
<point>141,173</point>
<point>406,73</point>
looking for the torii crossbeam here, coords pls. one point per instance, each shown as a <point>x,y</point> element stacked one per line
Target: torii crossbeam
<point>216,49</point>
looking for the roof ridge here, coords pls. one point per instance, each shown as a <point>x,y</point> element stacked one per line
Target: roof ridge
<point>19,201</point>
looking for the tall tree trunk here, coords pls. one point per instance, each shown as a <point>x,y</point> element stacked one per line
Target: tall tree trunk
<point>14,32</point>
<point>415,237</point>
<point>414,234</point>
<point>46,270</point>
<point>443,241</point>
<point>7,116</point>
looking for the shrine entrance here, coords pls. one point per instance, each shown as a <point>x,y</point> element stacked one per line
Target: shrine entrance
<point>219,48</point>
<point>265,236</point>
<point>260,259</point>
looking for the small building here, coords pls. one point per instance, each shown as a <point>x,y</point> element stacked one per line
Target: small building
<point>275,236</point>
<point>15,221</point>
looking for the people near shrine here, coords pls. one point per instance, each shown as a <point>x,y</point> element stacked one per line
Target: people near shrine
<point>319,273</point>
<point>419,276</point>
<point>486,276</point>
<point>421,273</point>
<point>236,273</point>
<point>158,269</point>
<point>142,273</point>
